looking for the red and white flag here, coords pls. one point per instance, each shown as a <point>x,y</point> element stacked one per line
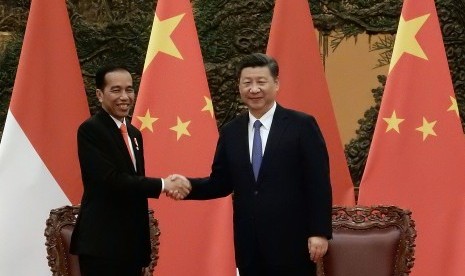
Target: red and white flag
<point>174,111</point>
<point>39,167</point>
<point>418,150</point>
<point>303,84</point>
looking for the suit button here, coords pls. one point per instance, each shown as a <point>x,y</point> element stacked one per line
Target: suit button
<point>255,192</point>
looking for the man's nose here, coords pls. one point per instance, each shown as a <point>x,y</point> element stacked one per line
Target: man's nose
<point>254,89</point>
<point>124,95</point>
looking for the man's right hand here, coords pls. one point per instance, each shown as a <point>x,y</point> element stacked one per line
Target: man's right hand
<point>177,186</point>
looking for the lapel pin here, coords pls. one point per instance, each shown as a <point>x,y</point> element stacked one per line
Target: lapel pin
<point>135,142</point>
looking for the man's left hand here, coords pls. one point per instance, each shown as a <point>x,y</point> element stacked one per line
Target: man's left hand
<point>317,247</point>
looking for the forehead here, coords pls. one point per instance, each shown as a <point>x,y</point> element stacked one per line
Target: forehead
<point>118,78</point>
<point>256,72</point>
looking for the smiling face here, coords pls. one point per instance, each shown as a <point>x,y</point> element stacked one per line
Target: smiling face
<point>258,89</point>
<point>117,95</point>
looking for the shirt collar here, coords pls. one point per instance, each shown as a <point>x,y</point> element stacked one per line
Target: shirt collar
<point>118,122</point>
<point>266,119</point>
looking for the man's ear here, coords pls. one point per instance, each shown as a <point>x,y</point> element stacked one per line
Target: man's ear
<point>277,83</point>
<point>99,94</point>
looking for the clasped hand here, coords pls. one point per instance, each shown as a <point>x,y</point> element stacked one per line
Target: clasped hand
<point>177,186</point>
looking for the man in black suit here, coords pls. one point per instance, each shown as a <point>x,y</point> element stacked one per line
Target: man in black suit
<point>112,234</point>
<point>278,172</point>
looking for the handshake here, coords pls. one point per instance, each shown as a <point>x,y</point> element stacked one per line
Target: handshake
<point>177,186</point>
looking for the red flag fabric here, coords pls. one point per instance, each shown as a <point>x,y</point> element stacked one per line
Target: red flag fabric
<point>174,111</point>
<point>418,145</point>
<point>303,84</point>
<point>39,167</point>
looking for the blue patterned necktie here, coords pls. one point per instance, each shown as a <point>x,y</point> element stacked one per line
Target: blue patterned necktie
<point>256,148</point>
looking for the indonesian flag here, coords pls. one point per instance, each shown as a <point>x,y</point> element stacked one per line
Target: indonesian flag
<point>303,84</point>
<point>174,111</point>
<point>417,154</point>
<point>39,167</point>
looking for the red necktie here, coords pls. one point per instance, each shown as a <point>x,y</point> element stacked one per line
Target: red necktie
<point>124,132</point>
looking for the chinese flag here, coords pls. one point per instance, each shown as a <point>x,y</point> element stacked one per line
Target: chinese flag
<point>418,150</point>
<point>39,167</point>
<point>303,84</point>
<point>175,114</point>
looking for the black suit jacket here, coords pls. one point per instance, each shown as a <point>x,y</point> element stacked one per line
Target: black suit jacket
<point>113,220</point>
<point>291,199</point>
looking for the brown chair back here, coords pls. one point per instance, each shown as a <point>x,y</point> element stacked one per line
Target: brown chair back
<point>367,241</point>
<point>59,227</point>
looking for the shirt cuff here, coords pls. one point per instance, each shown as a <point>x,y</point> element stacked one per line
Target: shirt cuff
<point>162,185</point>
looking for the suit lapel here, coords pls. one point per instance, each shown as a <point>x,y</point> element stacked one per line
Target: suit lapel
<point>278,127</point>
<point>135,146</point>
<point>243,140</point>
<point>118,138</point>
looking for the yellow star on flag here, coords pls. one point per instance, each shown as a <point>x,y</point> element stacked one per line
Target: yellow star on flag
<point>393,122</point>
<point>147,121</point>
<point>160,38</point>
<point>406,41</point>
<point>427,128</point>
<point>454,106</point>
<point>181,128</point>
<point>208,106</point>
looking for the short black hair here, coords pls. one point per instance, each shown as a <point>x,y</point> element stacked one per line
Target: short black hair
<point>104,70</point>
<point>258,60</point>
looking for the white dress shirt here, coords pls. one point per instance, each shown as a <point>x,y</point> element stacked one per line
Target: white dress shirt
<point>266,121</point>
